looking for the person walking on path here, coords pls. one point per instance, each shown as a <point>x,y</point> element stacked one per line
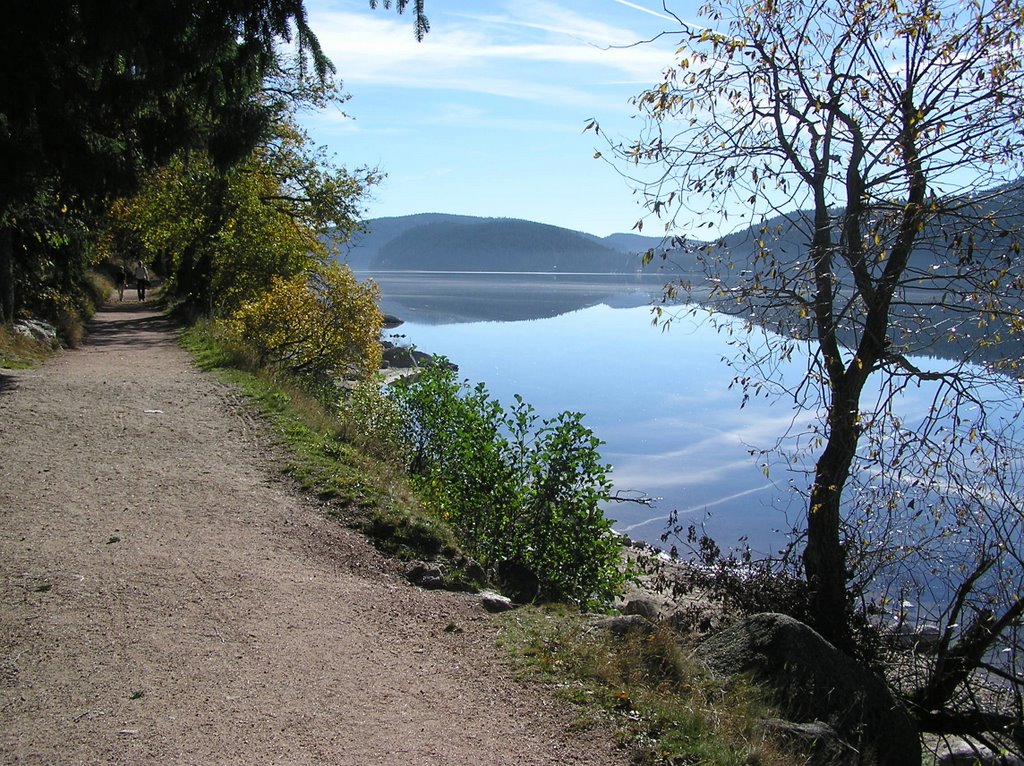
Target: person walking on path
<point>122,281</point>
<point>141,279</point>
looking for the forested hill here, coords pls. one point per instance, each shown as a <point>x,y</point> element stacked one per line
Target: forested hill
<point>436,241</point>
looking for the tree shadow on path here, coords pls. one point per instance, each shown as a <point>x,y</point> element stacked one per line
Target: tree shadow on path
<point>132,324</point>
<point>7,383</point>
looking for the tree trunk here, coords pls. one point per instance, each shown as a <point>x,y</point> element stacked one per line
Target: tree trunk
<point>6,276</point>
<point>824,555</point>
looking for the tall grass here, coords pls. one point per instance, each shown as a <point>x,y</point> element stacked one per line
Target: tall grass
<point>662,705</point>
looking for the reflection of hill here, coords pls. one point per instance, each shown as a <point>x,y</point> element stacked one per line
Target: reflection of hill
<point>936,311</point>
<point>437,298</point>
<point>438,242</point>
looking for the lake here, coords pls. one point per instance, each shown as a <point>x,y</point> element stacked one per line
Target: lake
<point>662,401</point>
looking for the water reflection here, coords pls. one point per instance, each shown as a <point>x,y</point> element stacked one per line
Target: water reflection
<point>449,297</point>
<point>660,401</point>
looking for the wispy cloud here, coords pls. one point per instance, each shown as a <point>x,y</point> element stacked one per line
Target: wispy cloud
<point>556,19</point>
<point>538,51</point>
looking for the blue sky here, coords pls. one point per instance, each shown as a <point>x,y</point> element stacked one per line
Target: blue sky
<point>486,115</point>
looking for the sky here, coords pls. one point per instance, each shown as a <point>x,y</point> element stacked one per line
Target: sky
<point>486,115</point>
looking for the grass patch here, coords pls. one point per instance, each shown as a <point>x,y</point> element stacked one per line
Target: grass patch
<point>20,353</point>
<point>365,491</point>
<point>663,706</point>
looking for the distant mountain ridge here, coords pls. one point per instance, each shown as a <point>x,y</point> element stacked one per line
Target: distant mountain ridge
<point>443,242</point>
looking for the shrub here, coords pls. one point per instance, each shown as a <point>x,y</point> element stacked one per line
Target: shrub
<point>318,326</point>
<point>524,497</point>
<point>369,418</point>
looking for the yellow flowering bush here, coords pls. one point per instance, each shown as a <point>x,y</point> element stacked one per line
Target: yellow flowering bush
<point>320,325</point>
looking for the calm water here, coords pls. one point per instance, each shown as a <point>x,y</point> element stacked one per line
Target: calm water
<point>661,401</point>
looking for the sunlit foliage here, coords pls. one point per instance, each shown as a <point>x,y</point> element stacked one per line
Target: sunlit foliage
<point>319,325</point>
<point>219,236</point>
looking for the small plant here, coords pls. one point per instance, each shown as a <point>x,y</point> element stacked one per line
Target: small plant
<point>524,496</point>
<point>370,419</point>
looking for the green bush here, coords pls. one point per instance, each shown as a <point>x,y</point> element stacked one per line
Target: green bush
<point>524,497</point>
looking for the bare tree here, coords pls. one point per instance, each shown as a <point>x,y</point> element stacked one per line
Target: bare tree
<point>876,146</point>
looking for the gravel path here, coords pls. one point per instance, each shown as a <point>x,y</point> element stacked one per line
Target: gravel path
<point>169,599</point>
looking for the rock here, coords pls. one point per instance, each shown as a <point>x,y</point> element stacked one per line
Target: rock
<point>816,738</point>
<point>36,329</point>
<point>404,356</point>
<point>923,638</point>
<point>472,570</point>
<point>429,576</point>
<point>464,575</point>
<point>641,606</point>
<point>810,680</point>
<point>621,625</point>
<point>960,752</point>
<point>408,358</point>
<point>495,602</point>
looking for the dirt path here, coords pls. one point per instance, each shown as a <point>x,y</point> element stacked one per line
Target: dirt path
<point>168,599</point>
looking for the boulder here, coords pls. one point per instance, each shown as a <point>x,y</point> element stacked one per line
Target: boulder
<point>408,358</point>
<point>471,569</point>
<point>495,602</point>
<point>641,606</point>
<point>426,575</point>
<point>404,357</point>
<point>815,737</point>
<point>36,329</point>
<point>954,751</point>
<point>923,638</point>
<point>625,624</point>
<point>809,681</point>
